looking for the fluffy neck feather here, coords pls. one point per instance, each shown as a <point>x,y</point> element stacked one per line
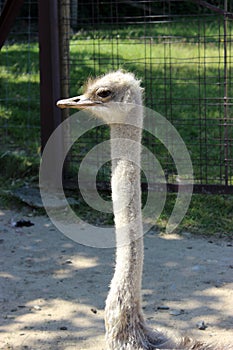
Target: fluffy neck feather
<point>126,195</point>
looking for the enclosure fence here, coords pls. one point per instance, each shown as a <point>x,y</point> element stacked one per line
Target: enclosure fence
<point>181,50</point>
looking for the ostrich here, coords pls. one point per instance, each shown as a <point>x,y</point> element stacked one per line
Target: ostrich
<point>117,98</point>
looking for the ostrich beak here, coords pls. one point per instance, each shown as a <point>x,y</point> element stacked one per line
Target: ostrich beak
<point>78,102</point>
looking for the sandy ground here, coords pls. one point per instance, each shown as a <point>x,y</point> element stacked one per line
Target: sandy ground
<point>52,290</point>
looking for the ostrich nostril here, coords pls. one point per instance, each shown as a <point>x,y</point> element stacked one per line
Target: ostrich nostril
<point>76,99</point>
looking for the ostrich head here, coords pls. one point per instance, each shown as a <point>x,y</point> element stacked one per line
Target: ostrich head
<point>114,92</point>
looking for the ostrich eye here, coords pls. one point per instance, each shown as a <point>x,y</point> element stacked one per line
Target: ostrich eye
<point>103,93</point>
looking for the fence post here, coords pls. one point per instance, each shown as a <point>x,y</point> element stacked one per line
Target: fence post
<point>50,88</point>
<point>64,43</point>
<point>225,106</point>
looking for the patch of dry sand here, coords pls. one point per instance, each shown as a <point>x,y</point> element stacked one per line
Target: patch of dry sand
<point>52,290</point>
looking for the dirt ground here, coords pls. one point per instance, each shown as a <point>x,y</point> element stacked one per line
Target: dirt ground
<point>52,290</point>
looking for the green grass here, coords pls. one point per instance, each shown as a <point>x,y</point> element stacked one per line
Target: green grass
<point>191,71</point>
<point>20,105</point>
<point>207,215</point>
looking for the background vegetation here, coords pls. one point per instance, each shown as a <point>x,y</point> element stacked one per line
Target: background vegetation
<point>20,115</point>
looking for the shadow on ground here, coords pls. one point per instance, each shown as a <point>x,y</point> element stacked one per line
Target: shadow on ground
<point>53,290</point>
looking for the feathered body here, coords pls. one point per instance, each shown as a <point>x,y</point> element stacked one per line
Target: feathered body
<point>117,98</point>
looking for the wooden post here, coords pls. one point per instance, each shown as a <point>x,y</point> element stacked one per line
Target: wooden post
<point>50,88</point>
<point>64,49</point>
<point>64,40</point>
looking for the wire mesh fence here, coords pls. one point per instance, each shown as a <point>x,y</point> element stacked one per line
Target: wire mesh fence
<point>182,52</point>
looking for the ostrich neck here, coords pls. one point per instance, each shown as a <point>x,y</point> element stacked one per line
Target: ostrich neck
<point>126,196</point>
